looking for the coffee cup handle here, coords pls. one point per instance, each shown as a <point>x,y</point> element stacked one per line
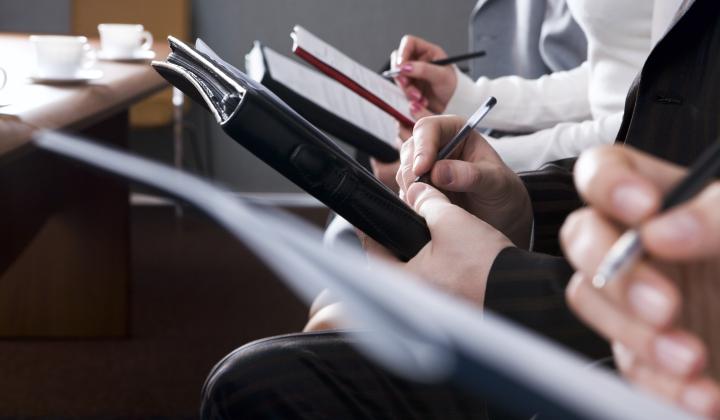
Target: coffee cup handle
<point>148,41</point>
<point>89,57</point>
<point>3,76</point>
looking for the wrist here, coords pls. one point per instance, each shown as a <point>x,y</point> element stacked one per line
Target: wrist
<point>464,99</point>
<point>521,232</point>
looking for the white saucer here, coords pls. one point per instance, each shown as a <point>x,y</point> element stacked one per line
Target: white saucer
<point>83,76</point>
<point>140,55</point>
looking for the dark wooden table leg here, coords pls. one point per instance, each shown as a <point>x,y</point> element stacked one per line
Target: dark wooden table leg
<point>64,245</point>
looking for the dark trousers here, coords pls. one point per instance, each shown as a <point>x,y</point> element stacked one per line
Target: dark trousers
<point>321,376</point>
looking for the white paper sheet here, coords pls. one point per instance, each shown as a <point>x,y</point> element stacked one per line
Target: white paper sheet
<point>368,79</point>
<point>324,91</point>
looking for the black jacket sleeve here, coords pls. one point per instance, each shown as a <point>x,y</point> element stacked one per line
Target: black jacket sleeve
<point>529,287</point>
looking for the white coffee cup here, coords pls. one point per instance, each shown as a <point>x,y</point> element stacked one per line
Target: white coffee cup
<point>124,40</point>
<point>61,56</point>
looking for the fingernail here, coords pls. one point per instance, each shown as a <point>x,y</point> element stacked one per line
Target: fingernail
<point>416,95</point>
<point>633,201</point>
<point>406,68</point>
<point>444,175</point>
<point>649,302</point>
<point>419,160</point>
<point>678,226</point>
<point>700,399</point>
<point>402,80</point>
<point>415,106</point>
<point>675,355</point>
<point>414,192</point>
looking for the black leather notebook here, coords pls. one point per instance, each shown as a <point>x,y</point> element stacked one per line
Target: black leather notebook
<point>325,102</point>
<point>260,121</point>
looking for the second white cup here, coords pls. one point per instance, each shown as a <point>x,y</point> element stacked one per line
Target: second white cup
<point>124,39</point>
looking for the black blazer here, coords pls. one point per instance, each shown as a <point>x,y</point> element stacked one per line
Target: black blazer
<point>673,112</point>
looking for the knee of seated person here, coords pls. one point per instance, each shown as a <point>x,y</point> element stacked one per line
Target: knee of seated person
<point>238,379</point>
<point>256,380</point>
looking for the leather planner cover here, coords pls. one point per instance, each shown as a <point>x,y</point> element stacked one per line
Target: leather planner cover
<point>367,138</point>
<point>261,122</point>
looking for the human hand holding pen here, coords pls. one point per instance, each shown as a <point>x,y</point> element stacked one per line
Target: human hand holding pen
<point>428,87</point>
<point>474,177</point>
<point>662,316</point>
<point>457,260</point>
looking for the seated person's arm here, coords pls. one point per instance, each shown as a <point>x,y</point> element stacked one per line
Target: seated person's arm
<point>524,105</point>
<point>657,315</point>
<point>467,253</point>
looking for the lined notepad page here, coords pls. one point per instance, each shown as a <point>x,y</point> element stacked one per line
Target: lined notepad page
<point>368,79</point>
<point>324,91</point>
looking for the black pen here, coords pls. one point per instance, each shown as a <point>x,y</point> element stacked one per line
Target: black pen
<point>440,62</point>
<point>461,135</point>
<point>628,248</point>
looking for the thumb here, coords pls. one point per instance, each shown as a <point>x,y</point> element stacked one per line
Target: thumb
<point>461,176</point>
<point>427,202</point>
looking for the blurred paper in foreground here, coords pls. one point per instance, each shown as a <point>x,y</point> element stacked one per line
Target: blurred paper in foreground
<point>417,332</point>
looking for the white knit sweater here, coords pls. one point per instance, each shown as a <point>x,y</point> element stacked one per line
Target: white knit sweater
<point>573,110</point>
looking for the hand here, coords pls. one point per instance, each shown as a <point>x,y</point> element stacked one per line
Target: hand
<point>462,248</point>
<point>474,176</point>
<point>427,86</point>
<point>656,331</point>
<point>457,260</point>
<point>326,313</point>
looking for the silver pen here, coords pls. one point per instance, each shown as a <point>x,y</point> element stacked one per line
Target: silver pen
<point>628,249</point>
<point>461,135</point>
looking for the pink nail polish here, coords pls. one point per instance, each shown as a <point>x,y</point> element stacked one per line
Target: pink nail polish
<point>406,68</point>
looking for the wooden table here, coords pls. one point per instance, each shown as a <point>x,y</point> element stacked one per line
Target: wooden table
<point>64,230</point>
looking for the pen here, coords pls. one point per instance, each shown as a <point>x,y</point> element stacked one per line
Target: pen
<point>461,135</point>
<point>441,62</point>
<point>628,248</point>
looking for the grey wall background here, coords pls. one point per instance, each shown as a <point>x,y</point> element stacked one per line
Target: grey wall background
<point>367,30</point>
<point>46,16</point>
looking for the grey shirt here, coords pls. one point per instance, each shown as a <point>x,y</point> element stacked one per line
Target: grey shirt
<point>527,38</point>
